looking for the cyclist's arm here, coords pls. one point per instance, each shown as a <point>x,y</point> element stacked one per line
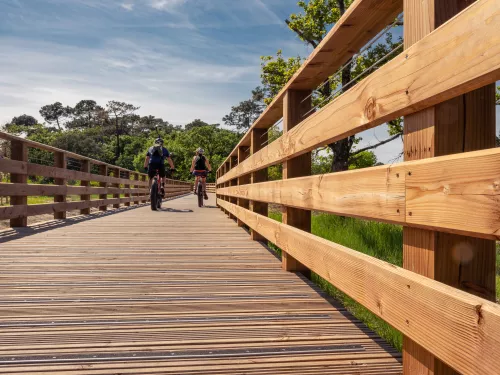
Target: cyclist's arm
<point>208,165</point>
<point>192,165</point>
<point>171,162</point>
<point>146,162</point>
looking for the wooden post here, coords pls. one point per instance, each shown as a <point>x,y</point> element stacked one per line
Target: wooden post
<point>103,169</point>
<point>145,178</point>
<point>19,151</point>
<point>233,162</point>
<point>127,186</point>
<point>257,138</point>
<point>295,105</point>
<point>465,123</point>
<point>116,174</point>
<point>85,197</point>
<point>60,162</point>
<point>136,195</point>
<point>243,180</point>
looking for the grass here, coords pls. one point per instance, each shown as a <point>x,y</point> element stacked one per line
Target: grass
<point>383,241</point>
<point>41,199</point>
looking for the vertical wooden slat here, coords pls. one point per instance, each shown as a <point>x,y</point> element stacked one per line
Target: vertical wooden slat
<point>258,137</point>
<point>19,151</point>
<point>103,170</point>
<point>465,123</point>
<point>295,106</point>
<point>85,167</point>
<point>127,186</point>
<point>234,182</point>
<point>116,173</point>
<point>243,180</point>
<point>145,178</point>
<point>60,162</point>
<point>136,195</point>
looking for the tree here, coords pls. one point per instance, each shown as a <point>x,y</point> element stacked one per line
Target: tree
<point>195,124</point>
<point>55,112</point>
<point>311,25</point>
<point>24,120</point>
<point>121,116</point>
<point>276,72</point>
<point>87,114</point>
<point>244,114</point>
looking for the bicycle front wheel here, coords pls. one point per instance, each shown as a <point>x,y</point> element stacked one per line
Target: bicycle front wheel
<point>154,196</point>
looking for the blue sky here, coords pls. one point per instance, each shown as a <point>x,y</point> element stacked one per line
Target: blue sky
<point>176,59</point>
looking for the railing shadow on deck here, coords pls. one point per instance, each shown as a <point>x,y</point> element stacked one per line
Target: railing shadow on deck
<point>16,233</point>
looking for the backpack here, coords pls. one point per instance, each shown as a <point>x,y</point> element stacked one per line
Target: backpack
<point>157,151</point>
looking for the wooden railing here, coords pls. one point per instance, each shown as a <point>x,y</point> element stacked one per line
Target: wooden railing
<point>445,193</point>
<point>59,167</point>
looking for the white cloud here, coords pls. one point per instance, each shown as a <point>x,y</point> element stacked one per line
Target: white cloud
<point>127,6</point>
<point>166,5</point>
<point>152,76</point>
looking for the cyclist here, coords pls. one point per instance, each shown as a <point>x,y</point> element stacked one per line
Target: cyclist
<point>200,168</point>
<point>155,161</point>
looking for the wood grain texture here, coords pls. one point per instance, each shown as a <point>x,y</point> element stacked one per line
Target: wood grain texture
<point>296,104</point>
<point>399,88</point>
<point>19,154</point>
<point>60,162</point>
<point>361,22</point>
<point>461,329</point>
<point>258,137</point>
<point>462,123</point>
<point>85,168</point>
<point>112,286</point>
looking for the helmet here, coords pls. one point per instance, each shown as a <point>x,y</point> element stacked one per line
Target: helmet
<point>200,150</point>
<point>159,142</point>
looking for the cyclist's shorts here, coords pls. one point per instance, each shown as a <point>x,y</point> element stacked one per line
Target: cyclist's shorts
<point>200,173</point>
<point>153,167</point>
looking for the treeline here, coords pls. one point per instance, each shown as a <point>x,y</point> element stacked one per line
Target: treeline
<point>116,134</point>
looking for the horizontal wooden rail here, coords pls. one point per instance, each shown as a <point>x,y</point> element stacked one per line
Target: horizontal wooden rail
<point>7,189</point>
<point>459,328</point>
<point>431,193</point>
<point>362,21</point>
<point>424,75</point>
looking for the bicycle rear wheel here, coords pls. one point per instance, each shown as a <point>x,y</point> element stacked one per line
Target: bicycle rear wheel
<point>154,196</point>
<point>200,196</point>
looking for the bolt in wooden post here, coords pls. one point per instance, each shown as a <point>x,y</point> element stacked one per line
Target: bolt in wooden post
<point>60,162</point>
<point>116,174</point>
<point>243,180</point>
<point>85,168</point>
<point>19,151</point>
<point>103,170</point>
<point>465,123</point>
<point>295,105</point>
<point>257,138</point>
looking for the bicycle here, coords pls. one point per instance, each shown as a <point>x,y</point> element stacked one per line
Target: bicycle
<point>156,196</point>
<point>199,191</point>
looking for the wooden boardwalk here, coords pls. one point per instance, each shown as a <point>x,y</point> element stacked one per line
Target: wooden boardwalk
<point>181,291</point>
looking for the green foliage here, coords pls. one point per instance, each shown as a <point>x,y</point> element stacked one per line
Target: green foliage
<point>55,113</point>
<point>316,18</point>
<point>364,159</point>
<point>244,114</point>
<point>24,120</point>
<point>276,71</point>
<point>380,240</point>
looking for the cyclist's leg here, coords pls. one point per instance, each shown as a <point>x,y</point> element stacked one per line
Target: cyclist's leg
<point>196,184</point>
<point>204,184</point>
<point>162,178</point>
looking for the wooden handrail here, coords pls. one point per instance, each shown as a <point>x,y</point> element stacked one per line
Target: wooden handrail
<point>362,21</point>
<point>132,184</point>
<point>448,203</point>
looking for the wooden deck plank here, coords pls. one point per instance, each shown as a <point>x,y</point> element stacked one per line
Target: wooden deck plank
<point>181,291</point>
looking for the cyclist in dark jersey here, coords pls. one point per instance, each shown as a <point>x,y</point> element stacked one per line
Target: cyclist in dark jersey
<point>200,168</point>
<point>155,161</point>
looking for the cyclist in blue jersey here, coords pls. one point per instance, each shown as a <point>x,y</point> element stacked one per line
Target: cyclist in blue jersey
<point>155,161</point>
